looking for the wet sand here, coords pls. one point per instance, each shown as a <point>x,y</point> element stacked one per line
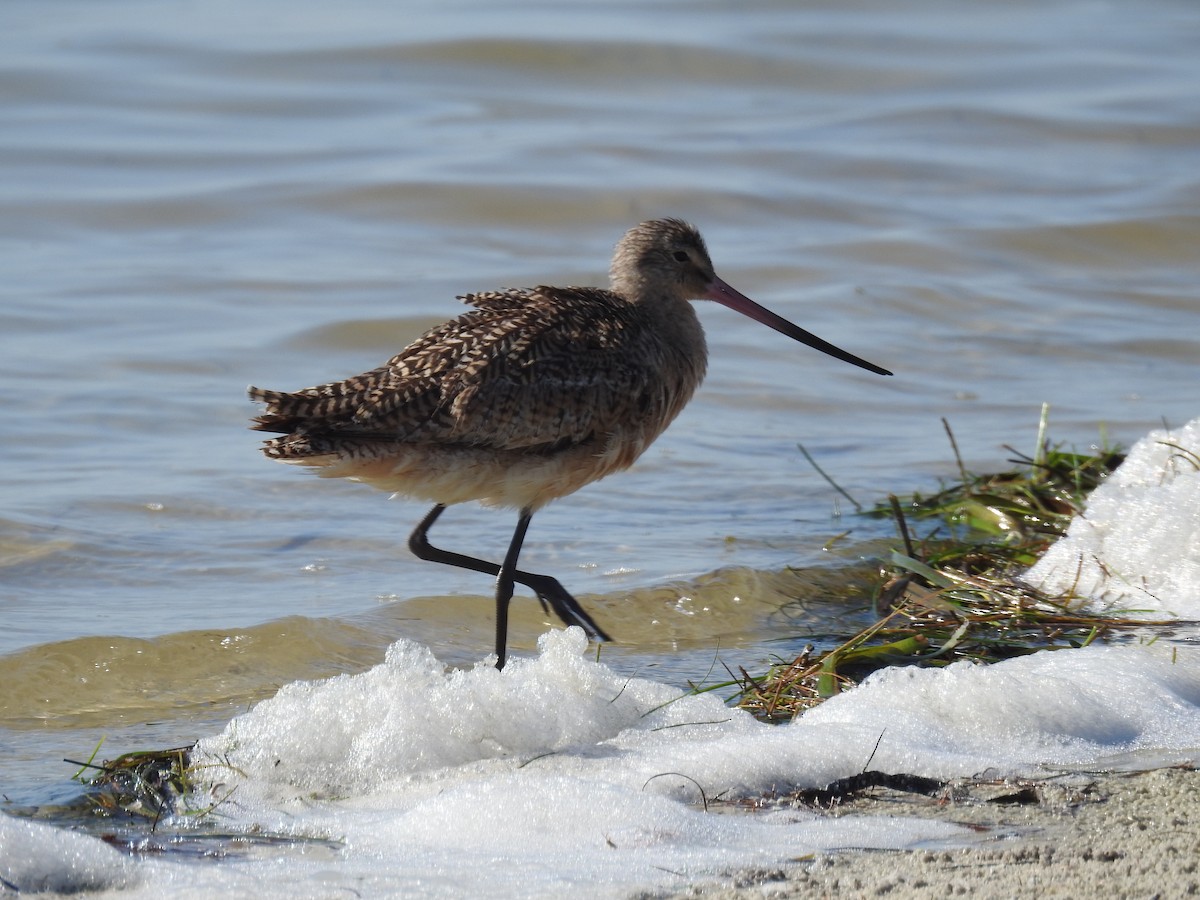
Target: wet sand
<point>1116,836</point>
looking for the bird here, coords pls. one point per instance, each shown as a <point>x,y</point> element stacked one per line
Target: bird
<point>524,399</point>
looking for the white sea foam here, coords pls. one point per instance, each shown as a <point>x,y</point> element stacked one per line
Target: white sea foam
<point>559,773</point>
<point>1137,546</point>
<point>37,858</point>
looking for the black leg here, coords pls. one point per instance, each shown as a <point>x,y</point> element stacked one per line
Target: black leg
<point>505,586</point>
<point>548,589</point>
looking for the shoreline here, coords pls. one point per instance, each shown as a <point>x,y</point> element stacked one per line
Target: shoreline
<point>1115,835</point>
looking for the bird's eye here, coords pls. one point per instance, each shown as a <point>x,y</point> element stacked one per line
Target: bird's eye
<point>681,256</point>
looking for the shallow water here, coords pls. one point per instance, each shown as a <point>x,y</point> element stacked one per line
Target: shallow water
<point>1000,204</point>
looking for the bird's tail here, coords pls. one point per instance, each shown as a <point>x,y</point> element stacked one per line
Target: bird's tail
<point>295,412</point>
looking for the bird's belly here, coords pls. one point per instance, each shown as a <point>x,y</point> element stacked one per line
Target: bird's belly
<point>451,474</point>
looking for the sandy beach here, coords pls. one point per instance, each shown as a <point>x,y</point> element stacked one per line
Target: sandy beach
<point>1116,836</point>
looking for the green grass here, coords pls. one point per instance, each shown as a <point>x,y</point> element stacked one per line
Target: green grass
<point>953,592</point>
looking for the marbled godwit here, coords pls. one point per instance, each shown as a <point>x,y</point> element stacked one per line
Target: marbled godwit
<point>526,398</point>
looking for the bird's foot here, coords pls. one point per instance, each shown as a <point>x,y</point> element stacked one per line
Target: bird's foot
<point>553,596</point>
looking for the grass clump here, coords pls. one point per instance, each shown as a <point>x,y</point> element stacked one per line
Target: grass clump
<point>954,593</point>
<point>143,784</point>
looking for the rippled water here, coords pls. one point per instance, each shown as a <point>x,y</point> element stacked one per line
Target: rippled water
<point>1000,203</point>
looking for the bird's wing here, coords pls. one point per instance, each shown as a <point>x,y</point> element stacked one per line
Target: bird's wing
<point>534,369</point>
<point>568,366</point>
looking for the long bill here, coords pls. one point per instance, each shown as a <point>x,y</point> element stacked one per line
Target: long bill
<point>725,295</point>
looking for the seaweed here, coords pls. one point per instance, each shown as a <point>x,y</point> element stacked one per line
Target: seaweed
<point>955,593</point>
